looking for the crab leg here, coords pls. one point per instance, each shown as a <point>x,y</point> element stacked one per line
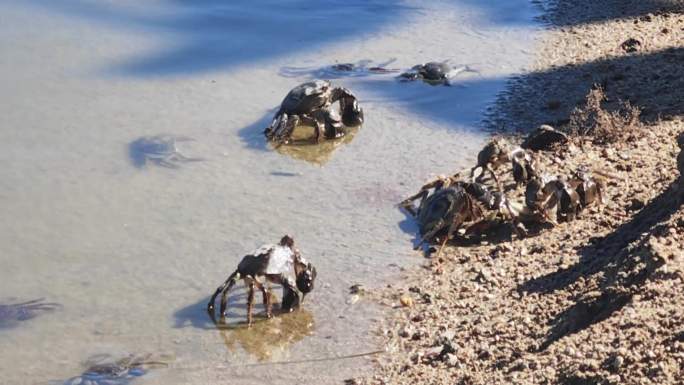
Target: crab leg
<point>223,289</point>
<point>250,302</point>
<point>317,125</point>
<point>180,157</point>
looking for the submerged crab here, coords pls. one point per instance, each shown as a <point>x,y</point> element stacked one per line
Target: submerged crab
<point>359,69</point>
<point>269,264</point>
<point>12,314</point>
<point>434,73</point>
<point>311,104</point>
<point>103,370</point>
<point>159,149</point>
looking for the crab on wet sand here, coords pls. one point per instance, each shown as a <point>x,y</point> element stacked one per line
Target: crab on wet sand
<point>268,264</point>
<point>434,73</point>
<point>311,104</point>
<point>12,314</point>
<point>104,370</point>
<point>455,204</point>
<point>161,150</point>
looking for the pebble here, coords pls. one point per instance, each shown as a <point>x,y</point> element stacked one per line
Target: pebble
<point>616,362</point>
<point>406,301</point>
<point>353,299</point>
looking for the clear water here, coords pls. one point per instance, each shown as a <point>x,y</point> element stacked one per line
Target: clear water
<point>133,254</point>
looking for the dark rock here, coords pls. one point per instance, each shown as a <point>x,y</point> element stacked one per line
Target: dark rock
<point>543,138</point>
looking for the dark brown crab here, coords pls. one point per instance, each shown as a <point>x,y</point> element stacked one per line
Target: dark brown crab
<point>493,154</point>
<point>311,104</point>
<point>453,204</point>
<point>589,186</point>
<point>553,198</point>
<point>524,164</point>
<point>441,182</point>
<point>12,314</point>
<point>434,73</point>
<point>268,264</point>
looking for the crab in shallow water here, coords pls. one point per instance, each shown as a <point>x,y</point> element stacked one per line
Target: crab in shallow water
<point>12,314</point>
<point>434,73</point>
<point>268,264</point>
<point>159,149</point>
<point>103,370</point>
<point>311,104</point>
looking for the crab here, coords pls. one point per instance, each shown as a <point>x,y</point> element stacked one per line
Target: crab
<point>590,187</point>
<point>434,73</point>
<point>494,154</point>
<point>455,202</point>
<point>447,208</point>
<point>159,149</point>
<point>311,104</point>
<point>524,165</point>
<point>442,181</point>
<point>103,370</point>
<point>269,264</point>
<point>552,195</point>
<point>12,314</point>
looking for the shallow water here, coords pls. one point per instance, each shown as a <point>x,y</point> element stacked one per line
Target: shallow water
<point>133,253</point>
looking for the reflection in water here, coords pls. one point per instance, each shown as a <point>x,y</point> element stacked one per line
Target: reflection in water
<point>303,148</point>
<point>269,338</point>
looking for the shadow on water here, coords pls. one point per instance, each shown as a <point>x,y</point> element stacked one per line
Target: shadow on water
<point>195,315</point>
<point>208,35</point>
<point>253,135</point>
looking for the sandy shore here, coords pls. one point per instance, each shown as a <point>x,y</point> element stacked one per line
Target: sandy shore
<point>598,300</point>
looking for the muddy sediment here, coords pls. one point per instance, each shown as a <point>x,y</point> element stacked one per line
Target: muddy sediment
<point>597,300</point>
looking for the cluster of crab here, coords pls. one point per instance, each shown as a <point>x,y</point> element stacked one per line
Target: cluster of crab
<point>453,204</point>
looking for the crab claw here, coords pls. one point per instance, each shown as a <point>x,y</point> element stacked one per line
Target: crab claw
<point>352,114</point>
